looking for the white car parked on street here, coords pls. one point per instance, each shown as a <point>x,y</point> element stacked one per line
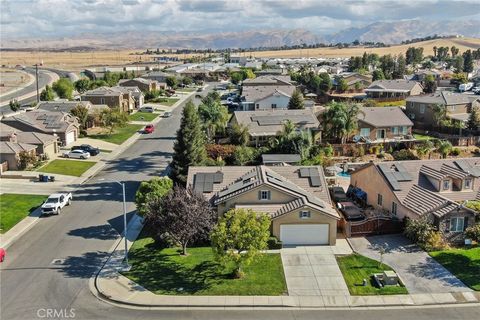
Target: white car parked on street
<point>77,154</point>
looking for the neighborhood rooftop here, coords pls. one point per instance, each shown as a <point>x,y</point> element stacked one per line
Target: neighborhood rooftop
<point>384,117</point>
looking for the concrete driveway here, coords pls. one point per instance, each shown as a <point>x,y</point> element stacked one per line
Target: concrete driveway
<point>313,271</point>
<point>420,272</point>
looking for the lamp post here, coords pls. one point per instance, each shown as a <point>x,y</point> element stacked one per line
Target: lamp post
<point>126,266</point>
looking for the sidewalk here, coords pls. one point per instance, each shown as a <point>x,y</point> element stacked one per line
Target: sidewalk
<point>110,286</point>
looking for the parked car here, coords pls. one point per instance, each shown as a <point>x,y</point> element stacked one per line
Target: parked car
<point>149,128</point>
<point>3,254</point>
<point>147,109</point>
<point>56,202</point>
<point>338,194</point>
<point>350,211</point>
<point>167,114</point>
<point>77,154</point>
<point>88,148</point>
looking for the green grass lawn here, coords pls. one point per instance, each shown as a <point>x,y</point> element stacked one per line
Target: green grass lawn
<point>422,137</point>
<point>15,207</point>
<point>147,116</point>
<point>391,103</point>
<point>119,135</point>
<point>463,263</point>
<point>67,167</point>
<point>167,101</point>
<point>165,271</point>
<point>356,267</point>
<point>186,90</point>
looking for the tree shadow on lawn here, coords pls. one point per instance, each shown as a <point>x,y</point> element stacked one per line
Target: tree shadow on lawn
<point>160,273</point>
<point>465,269</point>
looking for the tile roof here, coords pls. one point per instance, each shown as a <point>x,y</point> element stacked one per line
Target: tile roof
<point>384,117</point>
<point>35,138</point>
<point>45,121</point>
<point>270,122</point>
<point>280,158</point>
<point>443,97</point>
<point>398,85</point>
<point>7,147</point>
<point>256,93</point>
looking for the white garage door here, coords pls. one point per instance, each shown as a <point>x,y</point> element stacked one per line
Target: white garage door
<point>304,233</point>
<point>70,137</point>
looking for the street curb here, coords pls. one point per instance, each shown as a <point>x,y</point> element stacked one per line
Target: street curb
<point>35,215</point>
<point>30,82</point>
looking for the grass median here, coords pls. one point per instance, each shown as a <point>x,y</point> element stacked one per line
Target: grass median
<point>67,167</point>
<point>15,207</point>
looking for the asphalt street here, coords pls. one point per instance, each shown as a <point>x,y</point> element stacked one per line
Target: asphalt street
<point>48,268</point>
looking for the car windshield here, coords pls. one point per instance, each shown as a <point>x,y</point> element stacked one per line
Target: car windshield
<point>52,200</point>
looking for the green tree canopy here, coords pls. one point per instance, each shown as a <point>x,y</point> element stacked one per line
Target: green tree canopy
<point>430,84</point>
<point>467,61</point>
<point>239,237</point>
<point>189,147</point>
<point>473,119</point>
<point>214,116</point>
<point>113,118</point>
<point>14,105</point>
<point>378,75</point>
<point>340,120</point>
<point>172,81</point>
<point>152,190</point>
<point>81,112</point>
<point>63,87</point>
<point>82,85</point>
<point>47,94</point>
<point>296,100</point>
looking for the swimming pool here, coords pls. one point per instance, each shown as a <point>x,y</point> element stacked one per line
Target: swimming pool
<point>343,174</point>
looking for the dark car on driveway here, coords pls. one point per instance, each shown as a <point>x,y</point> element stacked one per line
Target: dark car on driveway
<point>88,148</point>
<point>350,211</point>
<point>338,194</point>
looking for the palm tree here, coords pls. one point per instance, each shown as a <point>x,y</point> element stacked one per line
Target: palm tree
<point>444,148</point>
<point>214,116</point>
<point>340,120</point>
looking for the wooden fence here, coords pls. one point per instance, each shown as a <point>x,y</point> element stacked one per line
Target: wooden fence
<point>372,226</point>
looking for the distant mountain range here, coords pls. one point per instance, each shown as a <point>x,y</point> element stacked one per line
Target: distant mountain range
<point>386,32</point>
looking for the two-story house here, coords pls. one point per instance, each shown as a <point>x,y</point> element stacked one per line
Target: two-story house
<point>296,198</point>
<point>143,84</point>
<point>112,97</point>
<point>266,92</point>
<point>432,189</point>
<point>383,124</point>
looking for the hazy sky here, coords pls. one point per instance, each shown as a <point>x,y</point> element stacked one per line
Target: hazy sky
<point>31,18</point>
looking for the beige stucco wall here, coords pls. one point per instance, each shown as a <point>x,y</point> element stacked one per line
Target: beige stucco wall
<point>372,182</point>
<point>316,218</point>
<point>51,150</point>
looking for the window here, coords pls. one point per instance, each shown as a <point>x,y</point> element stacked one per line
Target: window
<point>102,100</point>
<point>394,130</point>
<point>468,184</point>
<point>265,195</point>
<point>274,106</point>
<point>380,133</point>
<point>380,199</point>
<point>365,132</point>
<point>404,130</point>
<point>446,184</point>
<point>258,106</point>
<point>456,224</point>
<point>422,108</point>
<point>394,208</point>
<point>452,108</point>
<point>304,215</point>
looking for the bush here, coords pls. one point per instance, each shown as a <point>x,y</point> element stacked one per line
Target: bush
<point>83,133</point>
<point>455,152</point>
<point>225,152</point>
<point>435,241</point>
<point>473,232</point>
<point>244,155</point>
<point>273,243</point>
<point>419,231</point>
<point>404,154</point>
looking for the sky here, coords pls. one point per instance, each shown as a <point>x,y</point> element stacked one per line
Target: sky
<point>58,18</point>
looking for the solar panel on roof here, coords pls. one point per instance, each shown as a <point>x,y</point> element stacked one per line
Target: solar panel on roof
<point>208,186</point>
<point>218,177</point>
<point>304,172</point>
<point>315,181</point>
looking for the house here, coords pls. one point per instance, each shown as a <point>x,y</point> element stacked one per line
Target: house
<point>61,124</point>
<point>135,93</point>
<point>67,107</point>
<point>47,144</point>
<point>266,92</point>
<point>393,89</point>
<point>159,76</point>
<point>265,124</point>
<point>280,159</point>
<point>113,98</point>
<point>7,133</point>
<point>422,74</point>
<point>10,152</point>
<point>354,80</point>
<point>296,198</point>
<point>382,124</point>
<point>268,80</point>
<point>430,189</point>
<point>144,85</point>
<point>421,108</point>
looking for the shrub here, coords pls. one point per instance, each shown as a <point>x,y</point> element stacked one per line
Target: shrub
<point>273,243</point>
<point>418,231</point>
<point>404,154</point>
<point>225,152</point>
<point>473,232</point>
<point>435,241</point>
<point>455,152</point>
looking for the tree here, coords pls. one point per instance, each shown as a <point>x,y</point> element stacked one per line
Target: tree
<point>467,61</point>
<point>340,120</point>
<point>430,84</point>
<point>399,68</point>
<point>243,155</point>
<point>14,105</point>
<point>182,215</point>
<point>414,55</point>
<point>473,120</point>
<point>214,116</point>
<point>418,230</point>
<point>236,77</point>
<point>342,84</point>
<point>387,65</point>
<point>444,148</point>
<point>248,73</point>
<point>171,81</point>
<point>439,114</point>
<point>189,147</point>
<point>378,75</point>
<point>457,63</point>
<point>454,50</point>
<point>81,112</point>
<point>113,118</point>
<point>187,81</point>
<point>82,85</point>
<point>238,134</point>
<point>239,237</point>
<point>325,83</point>
<point>152,190</point>
<point>63,87</point>
<point>47,94</point>
<point>296,100</point>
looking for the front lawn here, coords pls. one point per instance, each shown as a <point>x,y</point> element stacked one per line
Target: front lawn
<point>187,90</point>
<point>391,103</point>
<point>120,135</point>
<point>418,136</point>
<point>142,116</point>
<point>15,207</point>
<point>67,167</point>
<point>167,101</point>
<point>356,267</point>
<point>165,271</point>
<point>463,263</point>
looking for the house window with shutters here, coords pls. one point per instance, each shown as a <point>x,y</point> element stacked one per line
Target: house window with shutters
<point>264,195</point>
<point>380,199</point>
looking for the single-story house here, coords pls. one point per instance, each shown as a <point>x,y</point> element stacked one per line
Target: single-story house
<point>354,80</point>
<point>68,106</point>
<point>383,123</point>
<point>265,124</point>
<point>392,89</point>
<point>432,189</point>
<point>159,76</point>
<point>280,159</point>
<point>10,152</point>
<point>47,144</point>
<point>420,109</point>
<point>61,124</point>
<point>296,198</point>
<point>142,84</point>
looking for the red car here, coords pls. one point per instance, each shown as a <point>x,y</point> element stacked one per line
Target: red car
<point>149,128</point>
<point>3,253</point>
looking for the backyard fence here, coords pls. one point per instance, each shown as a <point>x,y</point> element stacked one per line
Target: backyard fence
<point>372,226</point>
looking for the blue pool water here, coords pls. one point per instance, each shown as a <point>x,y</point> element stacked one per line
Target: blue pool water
<point>343,174</point>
